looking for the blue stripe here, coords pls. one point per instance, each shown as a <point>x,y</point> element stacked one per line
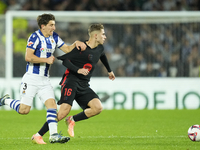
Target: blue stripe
<point>55,37</point>
<point>15,103</point>
<point>47,65</point>
<point>17,108</point>
<point>32,38</point>
<point>27,66</point>
<point>61,45</point>
<point>52,121</point>
<point>37,52</point>
<point>40,32</point>
<point>51,110</point>
<point>48,42</point>
<point>36,68</point>
<point>49,46</point>
<point>54,116</point>
<point>11,103</point>
<point>46,69</point>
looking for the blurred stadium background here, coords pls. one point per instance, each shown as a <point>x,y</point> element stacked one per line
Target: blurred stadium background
<point>164,45</point>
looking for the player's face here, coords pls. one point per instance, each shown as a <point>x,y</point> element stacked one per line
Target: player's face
<point>48,29</point>
<point>101,37</point>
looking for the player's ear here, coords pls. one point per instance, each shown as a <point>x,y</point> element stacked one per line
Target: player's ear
<point>95,35</point>
<point>42,26</point>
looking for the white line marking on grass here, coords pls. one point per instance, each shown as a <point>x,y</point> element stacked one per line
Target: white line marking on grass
<point>99,137</point>
<point>132,137</point>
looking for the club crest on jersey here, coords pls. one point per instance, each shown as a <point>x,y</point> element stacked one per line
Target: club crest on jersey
<point>30,43</point>
<point>52,41</point>
<point>42,49</point>
<point>90,57</point>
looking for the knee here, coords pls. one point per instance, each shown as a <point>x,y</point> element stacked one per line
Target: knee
<point>63,111</point>
<point>50,103</point>
<point>61,116</point>
<point>98,109</point>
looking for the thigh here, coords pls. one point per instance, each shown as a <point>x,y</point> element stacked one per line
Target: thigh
<point>68,92</point>
<point>45,91</point>
<point>27,92</point>
<point>83,98</point>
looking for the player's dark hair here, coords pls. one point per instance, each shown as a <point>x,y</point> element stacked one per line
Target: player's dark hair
<point>95,27</point>
<point>44,19</point>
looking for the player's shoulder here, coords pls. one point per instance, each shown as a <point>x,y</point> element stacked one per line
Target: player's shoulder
<point>100,47</point>
<point>33,36</point>
<point>55,34</point>
<point>75,50</point>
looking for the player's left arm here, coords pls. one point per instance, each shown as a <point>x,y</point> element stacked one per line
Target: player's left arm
<point>67,63</point>
<point>78,44</point>
<point>104,60</point>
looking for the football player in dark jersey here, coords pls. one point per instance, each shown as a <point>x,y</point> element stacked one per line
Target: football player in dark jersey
<point>74,83</point>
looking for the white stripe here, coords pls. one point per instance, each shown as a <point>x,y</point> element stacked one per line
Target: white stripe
<point>42,54</point>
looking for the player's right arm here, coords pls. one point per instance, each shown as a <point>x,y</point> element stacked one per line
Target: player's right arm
<point>32,58</point>
<point>78,44</point>
<point>31,46</point>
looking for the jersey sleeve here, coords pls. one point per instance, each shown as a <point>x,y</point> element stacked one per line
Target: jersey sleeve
<point>58,40</point>
<point>67,63</point>
<point>66,60</point>
<point>104,60</point>
<point>33,41</point>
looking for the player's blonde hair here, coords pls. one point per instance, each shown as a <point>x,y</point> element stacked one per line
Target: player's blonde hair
<point>95,27</point>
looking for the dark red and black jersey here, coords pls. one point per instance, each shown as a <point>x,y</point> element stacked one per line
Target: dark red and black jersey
<point>77,59</point>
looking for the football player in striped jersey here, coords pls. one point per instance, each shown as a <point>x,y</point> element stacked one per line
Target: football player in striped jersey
<point>39,56</point>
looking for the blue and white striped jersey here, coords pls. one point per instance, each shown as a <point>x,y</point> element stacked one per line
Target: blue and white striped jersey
<point>44,47</point>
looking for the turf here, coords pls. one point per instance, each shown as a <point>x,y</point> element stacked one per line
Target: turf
<point>111,130</point>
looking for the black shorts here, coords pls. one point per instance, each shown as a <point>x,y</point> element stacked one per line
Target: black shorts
<point>73,90</point>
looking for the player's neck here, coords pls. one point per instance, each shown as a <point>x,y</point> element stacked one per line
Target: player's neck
<point>45,34</point>
<point>92,43</point>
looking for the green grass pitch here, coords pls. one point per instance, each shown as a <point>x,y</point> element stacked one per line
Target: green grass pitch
<point>111,130</point>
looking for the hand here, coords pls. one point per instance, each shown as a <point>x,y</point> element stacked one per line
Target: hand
<point>111,76</point>
<point>83,71</point>
<point>50,60</point>
<point>81,45</point>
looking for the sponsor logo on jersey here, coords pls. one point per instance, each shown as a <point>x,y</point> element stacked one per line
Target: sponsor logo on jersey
<point>30,43</point>
<point>47,50</point>
<point>88,66</point>
<point>90,57</point>
<point>42,49</point>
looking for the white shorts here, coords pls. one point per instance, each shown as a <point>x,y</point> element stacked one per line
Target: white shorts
<point>34,84</point>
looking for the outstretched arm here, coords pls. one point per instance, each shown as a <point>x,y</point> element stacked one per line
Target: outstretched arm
<point>78,44</point>
<point>104,60</point>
